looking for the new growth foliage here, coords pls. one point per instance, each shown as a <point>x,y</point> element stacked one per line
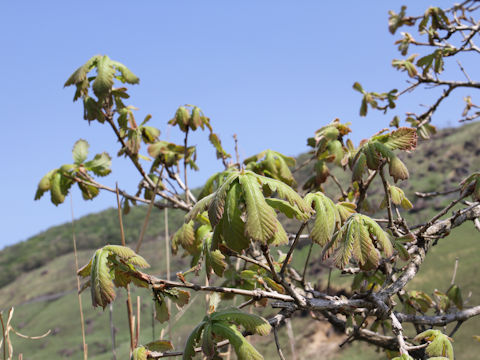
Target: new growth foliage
<point>233,228</point>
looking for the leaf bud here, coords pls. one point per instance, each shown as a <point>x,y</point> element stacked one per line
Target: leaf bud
<point>397,169</point>
<point>182,117</point>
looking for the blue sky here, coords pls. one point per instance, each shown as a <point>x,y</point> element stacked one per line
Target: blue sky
<point>270,71</point>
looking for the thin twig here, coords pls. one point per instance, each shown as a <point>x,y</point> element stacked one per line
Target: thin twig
<point>476,223</point>
<point>4,338</point>
<point>187,198</point>
<point>137,328</point>
<point>247,259</point>
<point>129,297</point>
<point>147,216</point>
<point>292,248</point>
<point>363,189</point>
<point>436,193</point>
<point>279,349</point>
<point>454,330</point>
<point>112,331</point>
<point>387,194</point>
<point>335,180</point>
<point>463,71</point>
<point>82,320</point>
<point>120,218</point>
<point>306,263</point>
<point>237,154</point>
<point>167,265</point>
<point>440,214</point>
<point>291,338</point>
<point>455,267</point>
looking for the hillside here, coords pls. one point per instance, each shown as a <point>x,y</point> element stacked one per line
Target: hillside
<point>37,275</point>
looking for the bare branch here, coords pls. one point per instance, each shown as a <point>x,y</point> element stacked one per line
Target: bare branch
<point>439,320</point>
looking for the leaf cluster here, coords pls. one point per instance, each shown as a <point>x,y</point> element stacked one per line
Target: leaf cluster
<point>439,343</point>
<point>241,210</point>
<point>142,352</point>
<point>110,266</point>
<point>361,239</point>
<point>471,184</point>
<point>328,147</point>
<point>272,164</point>
<point>224,324</point>
<point>190,117</point>
<point>177,296</point>
<point>379,149</point>
<point>373,98</point>
<point>107,71</point>
<point>398,198</point>
<point>59,181</point>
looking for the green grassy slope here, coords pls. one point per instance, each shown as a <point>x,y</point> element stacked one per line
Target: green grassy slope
<point>92,231</point>
<point>44,265</point>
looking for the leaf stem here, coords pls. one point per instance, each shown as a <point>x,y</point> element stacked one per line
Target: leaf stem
<point>292,248</point>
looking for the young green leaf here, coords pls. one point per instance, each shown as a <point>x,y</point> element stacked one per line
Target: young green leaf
<point>455,295</point>
<point>208,345</point>
<point>217,204</point>
<point>345,209</point>
<point>327,217</point>
<point>243,349</point>
<point>45,184</point>
<point>251,322</point>
<point>398,170</point>
<point>159,345</point>
<point>261,222</point>
<point>140,353</point>
<point>192,340</point>
<point>80,151</point>
<point>214,260</point>
<point>101,282</point>
<point>103,83</point>
<point>56,193</point>
<point>161,310</point>
<point>126,75</point>
<point>234,229</point>
<point>178,297</point>
<point>185,237</point>
<point>357,238</point>
<point>440,344</point>
<point>283,191</point>
<point>286,208</point>
<point>100,165</point>
<point>404,357</point>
